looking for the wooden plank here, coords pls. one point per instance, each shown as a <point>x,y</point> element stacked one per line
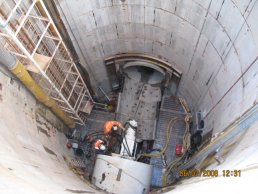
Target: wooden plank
<point>42,60</point>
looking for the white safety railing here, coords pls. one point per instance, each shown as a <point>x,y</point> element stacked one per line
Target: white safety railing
<point>28,32</point>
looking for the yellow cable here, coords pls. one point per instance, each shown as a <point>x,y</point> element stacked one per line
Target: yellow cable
<point>186,142</point>
<point>168,132</point>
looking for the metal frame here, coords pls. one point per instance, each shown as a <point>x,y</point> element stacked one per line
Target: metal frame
<point>169,67</point>
<point>27,29</point>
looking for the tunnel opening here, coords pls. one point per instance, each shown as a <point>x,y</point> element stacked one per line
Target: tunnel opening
<point>144,72</point>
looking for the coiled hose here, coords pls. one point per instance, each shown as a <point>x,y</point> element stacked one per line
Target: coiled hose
<point>168,133</point>
<point>186,143</point>
<point>186,140</point>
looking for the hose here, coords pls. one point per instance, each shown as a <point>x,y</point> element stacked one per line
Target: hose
<point>169,168</point>
<point>186,137</point>
<point>186,142</point>
<point>95,133</point>
<point>184,105</point>
<point>168,132</point>
<point>126,148</point>
<point>19,70</point>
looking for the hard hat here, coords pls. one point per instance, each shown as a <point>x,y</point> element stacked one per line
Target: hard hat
<point>102,147</point>
<point>115,127</point>
<point>133,123</point>
<point>75,145</point>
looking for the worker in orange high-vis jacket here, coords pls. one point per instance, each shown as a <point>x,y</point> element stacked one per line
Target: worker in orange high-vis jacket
<point>112,126</point>
<point>100,147</point>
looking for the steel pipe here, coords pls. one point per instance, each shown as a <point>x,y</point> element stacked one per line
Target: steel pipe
<point>19,71</point>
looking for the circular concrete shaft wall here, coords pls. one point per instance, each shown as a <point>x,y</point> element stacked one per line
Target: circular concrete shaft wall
<point>214,44</point>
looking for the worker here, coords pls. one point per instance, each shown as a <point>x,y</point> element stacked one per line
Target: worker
<point>100,147</point>
<point>112,126</point>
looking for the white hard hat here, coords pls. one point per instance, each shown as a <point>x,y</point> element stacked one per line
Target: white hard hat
<point>133,123</point>
<point>102,147</point>
<point>75,145</point>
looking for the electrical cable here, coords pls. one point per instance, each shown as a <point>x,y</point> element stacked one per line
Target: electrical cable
<point>127,151</point>
<point>168,132</point>
<point>186,143</point>
<point>128,148</point>
<point>127,145</point>
<point>186,140</point>
<point>95,132</point>
<point>169,168</point>
<point>132,127</point>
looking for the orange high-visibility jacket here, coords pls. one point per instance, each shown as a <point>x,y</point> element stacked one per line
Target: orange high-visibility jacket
<point>109,124</point>
<point>98,143</point>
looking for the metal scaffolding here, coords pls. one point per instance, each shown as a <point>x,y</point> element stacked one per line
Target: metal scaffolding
<point>28,32</point>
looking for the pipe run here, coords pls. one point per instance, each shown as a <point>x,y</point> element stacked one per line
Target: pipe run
<point>19,71</point>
